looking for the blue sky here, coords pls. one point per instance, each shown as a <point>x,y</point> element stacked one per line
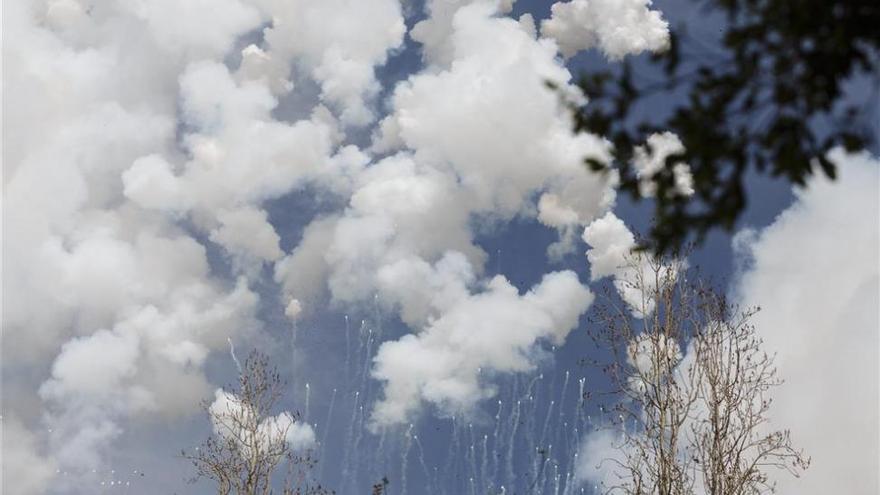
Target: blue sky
<point>516,250</point>
<point>163,205</point>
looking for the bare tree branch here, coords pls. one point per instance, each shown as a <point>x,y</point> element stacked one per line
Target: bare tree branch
<point>248,444</point>
<point>693,421</point>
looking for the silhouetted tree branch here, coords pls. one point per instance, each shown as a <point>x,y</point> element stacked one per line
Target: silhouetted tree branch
<point>770,98</point>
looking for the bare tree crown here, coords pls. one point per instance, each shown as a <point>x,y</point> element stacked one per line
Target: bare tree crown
<point>694,387</point>
<point>249,445</point>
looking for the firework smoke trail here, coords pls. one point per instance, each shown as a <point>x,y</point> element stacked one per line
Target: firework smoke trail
<point>551,393</point>
<point>556,479</point>
<point>404,459</point>
<point>360,354</point>
<point>347,347</point>
<point>327,424</point>
<point>381,456</point>
<point>566,490</point>
<point>431,483</point>
<point>232,353</point>
<point>359,433</point>
<point>579,413</point>
<point>566,438</point>
<point>472,451</point>
<point>453,453</point>
<point>546,423</point>
<point>306,413</point>
<point>533,394</point>
<point>510,437</point>
<point>361,346</point>
<point>545,471</point>
<point>530,426</point>
<point>484,465</point>
<point>365,369</point>
<point>560,434</point>
<point>495,445</point>
<point>348,451</point>
<point>466,466</point>
<point>511,479</point>
<point>377,317</point>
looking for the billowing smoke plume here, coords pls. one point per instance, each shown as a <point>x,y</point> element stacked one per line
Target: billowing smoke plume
<point>149,137</point>
<point>613,253</point>
<point>488,332</point>
<point>582,24</point>
<point>460,151</point>
<point>814,273</point>
<point>235,421</point>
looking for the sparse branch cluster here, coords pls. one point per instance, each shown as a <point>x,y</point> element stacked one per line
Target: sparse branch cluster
<point>694,384</point>
<point>249,445</point>
<point>731,440</point>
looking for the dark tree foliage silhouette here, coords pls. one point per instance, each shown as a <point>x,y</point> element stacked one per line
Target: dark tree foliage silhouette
<point>381,487</point>
<point>770,98</point>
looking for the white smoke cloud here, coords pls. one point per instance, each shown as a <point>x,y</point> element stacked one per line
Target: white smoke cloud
<point>338,43</point>
<point>300,436</point>
<point>462,151</point>
<point>229,415</point>
<point>815,274</point>
<point>818,317</point>
<point>647,161</point>
<point>302,274</point>
<point>646,350</point>
<point>240,157</point>
<point>21,455</point>
<point>398,210</point>
<point>489,332</point>
<point>247,231</point>
<point>617,27</point>
<point>293,309</point>
<point>201,28</point>
<point>598,458</point>
<point>461,119</point>
<point>142,136</point>
<point>434,33</point>
<point>611,242</point>
<point>613,254</point>
<point>112,300</point>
